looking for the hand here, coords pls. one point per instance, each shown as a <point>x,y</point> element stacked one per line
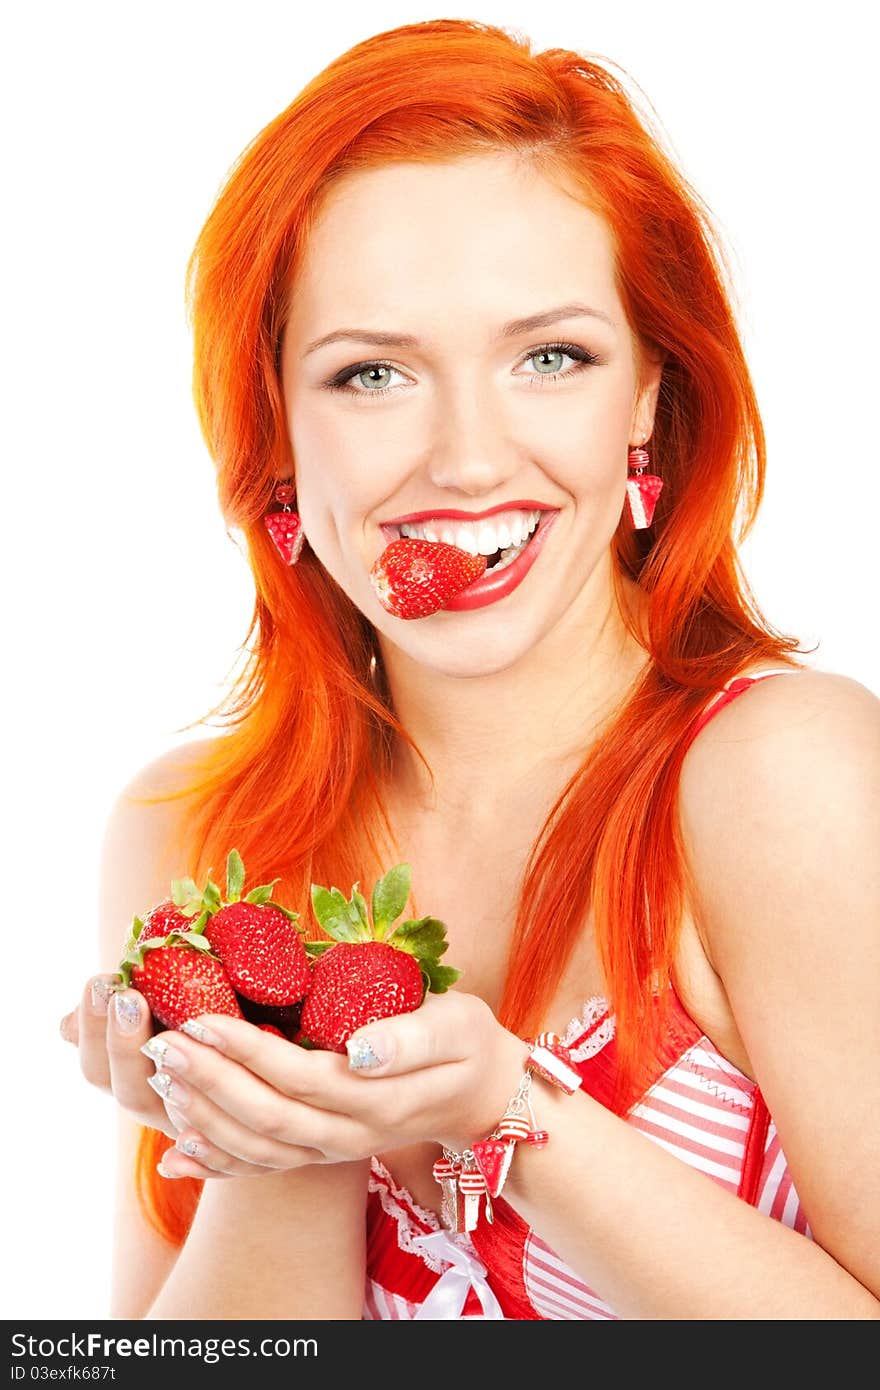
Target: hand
<point>257,1103</point>
<point>109,1027</point>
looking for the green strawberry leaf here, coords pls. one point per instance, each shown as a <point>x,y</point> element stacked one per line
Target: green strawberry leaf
<point>308,1045</point>
<point>200,923</point>
<point>389,898</point>
<point>183,891</point>
<point>190,937</point>
<point>333,911</point>
<point>211,897</point>
<point>426,936</point>
<point>262,894</point>
<point>360,904</point>
<point>440,977</point>
<point>234,876</point>
<point>134,932</point>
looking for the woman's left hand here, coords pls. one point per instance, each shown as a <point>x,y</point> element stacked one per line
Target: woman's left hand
<point>246,1101</point>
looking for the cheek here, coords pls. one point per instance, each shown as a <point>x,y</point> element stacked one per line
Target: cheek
<point>338,478</point>
<point>586,439</point>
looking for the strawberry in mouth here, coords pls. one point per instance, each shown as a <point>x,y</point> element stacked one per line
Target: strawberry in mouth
<point>414,578</point>
<point>427,566</point>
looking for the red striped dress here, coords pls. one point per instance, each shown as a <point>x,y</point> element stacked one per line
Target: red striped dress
<point>699,1107</point>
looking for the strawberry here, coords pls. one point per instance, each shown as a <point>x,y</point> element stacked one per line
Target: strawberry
<point>414,578</point>
<point>176,913</point>
<point>373,971</point>
<point>286,1019</point>
<point>256,940</point>
<point>179,978</point>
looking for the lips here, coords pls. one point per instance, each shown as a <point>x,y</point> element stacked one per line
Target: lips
<point>450,514</point>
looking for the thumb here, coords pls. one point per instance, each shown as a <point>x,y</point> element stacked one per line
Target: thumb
<point>426,1037</point>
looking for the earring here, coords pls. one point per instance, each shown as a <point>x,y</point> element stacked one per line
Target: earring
<point>642,489</point>
<point>285,527</point>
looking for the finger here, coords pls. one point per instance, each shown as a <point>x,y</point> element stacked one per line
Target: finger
<point>321,1080</point>
<point>92,1029</point>
<point>237,1113</point>
<point>174,1164</point>
<point>197,1147</point>
<point>69,1028</point>
<point>441,1031</point>
<point>128,1026</point>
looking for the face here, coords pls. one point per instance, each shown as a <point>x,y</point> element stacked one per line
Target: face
<point>474,414</point>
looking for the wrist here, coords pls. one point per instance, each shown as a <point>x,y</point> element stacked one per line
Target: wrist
<point>487,1100</point>
<point>477,1173</point>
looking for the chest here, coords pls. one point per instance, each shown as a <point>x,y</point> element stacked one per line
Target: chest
<point>474,888</point>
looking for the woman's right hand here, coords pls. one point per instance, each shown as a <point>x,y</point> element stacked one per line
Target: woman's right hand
<point>110,1026</point>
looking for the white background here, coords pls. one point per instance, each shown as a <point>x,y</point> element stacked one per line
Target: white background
<point>125,602</point>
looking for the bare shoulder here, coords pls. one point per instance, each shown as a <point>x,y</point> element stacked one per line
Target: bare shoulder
<point>782,746</point>
<point>147,841</point>
<point>780,819</point>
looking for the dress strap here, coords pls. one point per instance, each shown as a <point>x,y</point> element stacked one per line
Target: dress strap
<point>735,687</point>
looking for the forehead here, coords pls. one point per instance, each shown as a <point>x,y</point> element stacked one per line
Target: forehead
<point>392,244</point>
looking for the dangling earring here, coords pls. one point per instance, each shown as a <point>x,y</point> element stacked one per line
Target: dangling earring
<point>285,527</point>
<point>642,489</point>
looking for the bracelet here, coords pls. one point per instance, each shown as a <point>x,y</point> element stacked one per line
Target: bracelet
<point>479,1173</point>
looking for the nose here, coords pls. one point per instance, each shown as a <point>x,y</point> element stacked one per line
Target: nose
<point>471,451</point>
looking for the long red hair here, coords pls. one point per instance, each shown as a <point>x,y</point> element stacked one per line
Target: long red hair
<point>295,782</point>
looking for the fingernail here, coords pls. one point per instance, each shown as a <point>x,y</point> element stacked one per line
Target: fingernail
<point>169,1089</point>
<point>364,1053</point>
<point>189,1146</point>
<point>166,1172</point>
<point>102,992</point>
<point>127,1011</point>
<point>165,1057</point>
<point>200,1033</point>
<point>65,1029</point>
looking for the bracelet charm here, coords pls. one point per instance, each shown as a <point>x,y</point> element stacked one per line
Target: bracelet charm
<point>481,1171</point>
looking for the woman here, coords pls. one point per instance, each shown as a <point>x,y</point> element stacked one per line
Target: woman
<point>457,284</point>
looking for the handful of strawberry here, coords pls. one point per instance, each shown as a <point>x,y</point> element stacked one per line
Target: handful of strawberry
<point>198,953</point>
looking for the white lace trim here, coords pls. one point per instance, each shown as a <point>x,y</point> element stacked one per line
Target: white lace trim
<point>594,1009</point>
<point>398,1204</point>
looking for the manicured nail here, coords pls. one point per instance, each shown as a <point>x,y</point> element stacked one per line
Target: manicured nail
<point>166,1058</point>
<point>65,1028</point>
<point>169,1089</point>
<point>200,1033</point>
<point>102,992</point>
<point>364,1053</point>
<point>189,1147</point>
<point>127,1011</point>
<point>166,1172</point>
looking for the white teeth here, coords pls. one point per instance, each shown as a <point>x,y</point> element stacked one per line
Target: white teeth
<point>466,540</point>
<point>484,537</point>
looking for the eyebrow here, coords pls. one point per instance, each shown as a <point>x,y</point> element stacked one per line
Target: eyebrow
<point>510,330</point>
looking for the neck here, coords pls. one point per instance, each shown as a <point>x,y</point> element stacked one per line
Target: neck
<point>502,741</point>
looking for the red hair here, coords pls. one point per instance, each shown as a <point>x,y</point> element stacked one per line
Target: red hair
<point>295,782</point>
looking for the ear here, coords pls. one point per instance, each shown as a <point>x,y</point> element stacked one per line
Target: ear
<point>645,403</point>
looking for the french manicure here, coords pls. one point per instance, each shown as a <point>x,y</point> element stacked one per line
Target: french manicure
<point>200,1033</point>
<point>127,1012</point>
<point>165,1057</point>
<point>165,1172</point>
<point>102,991</point>
<point>364,1053</point>
<point>189,1147</point>
<point>169,1089</point>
